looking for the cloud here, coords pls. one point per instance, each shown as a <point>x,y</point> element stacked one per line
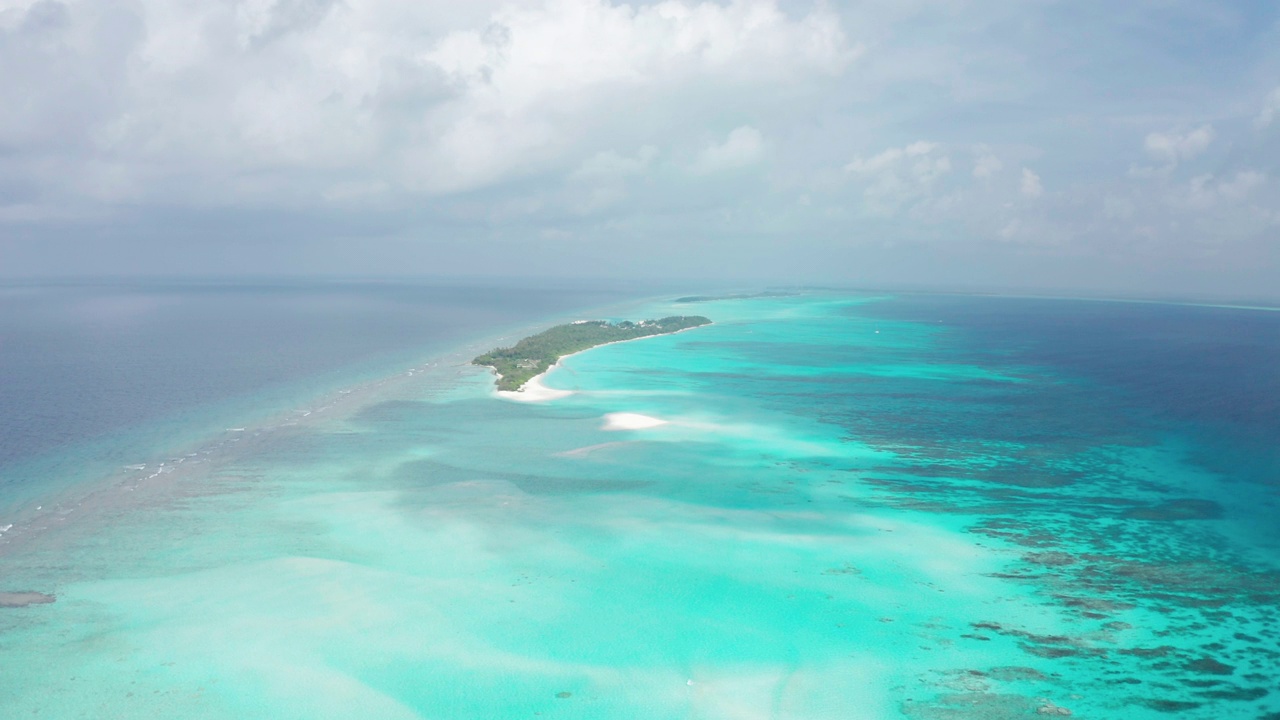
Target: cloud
<point>270,101</point>
<point>987,165</point>
<point>1207,191</point>
<point>1270,109</point>
<point>1173,147</point>
<point>537,80</point>
<point>1030,186</point>
<point>610,164</point>
<point>602,180</point>
<point>744,146</point>
<point>890,158</point>
<point>898,177</point>
<point>450,126</point>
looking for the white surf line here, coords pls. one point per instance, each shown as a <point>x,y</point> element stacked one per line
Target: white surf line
<point>583,451</point>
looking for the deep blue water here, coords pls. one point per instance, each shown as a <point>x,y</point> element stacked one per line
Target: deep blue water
<point>1209,373</point>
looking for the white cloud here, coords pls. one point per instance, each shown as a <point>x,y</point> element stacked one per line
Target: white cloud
<point>1206,191</point>
<point>1270,110</point>
<point>987,165</point>
<point>1030,186</point>
<point>1242,185</point>
<point>534,81</point>
<point>1173,147</point>
<point>610,164</point>
<point>283,98</point>
<point>890,158</point>
<point>899,176</point>
<point>744,146</point>
<point>602,180</point>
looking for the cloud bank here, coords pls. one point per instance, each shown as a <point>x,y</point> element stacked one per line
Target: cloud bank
<point>931,141</point>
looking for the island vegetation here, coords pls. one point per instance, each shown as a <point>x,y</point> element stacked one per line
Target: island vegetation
<point>736,296</point>
<point>533,355</point>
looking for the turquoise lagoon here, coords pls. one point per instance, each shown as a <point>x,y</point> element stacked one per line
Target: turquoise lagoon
<point>855,507</point>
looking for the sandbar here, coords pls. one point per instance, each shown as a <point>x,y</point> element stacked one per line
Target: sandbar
<point>631,421</point>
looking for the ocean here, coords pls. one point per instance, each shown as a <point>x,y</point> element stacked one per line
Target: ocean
<point>825,505</point>
<point>97,374</point>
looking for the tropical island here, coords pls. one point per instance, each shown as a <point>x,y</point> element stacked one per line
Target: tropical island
<point>533,355</point>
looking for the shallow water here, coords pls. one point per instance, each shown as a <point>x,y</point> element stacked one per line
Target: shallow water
<point>855,507</point>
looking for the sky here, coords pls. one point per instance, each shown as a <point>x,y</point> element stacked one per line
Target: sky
<point>1030,145</point>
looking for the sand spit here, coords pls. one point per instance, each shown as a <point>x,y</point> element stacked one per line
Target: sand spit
<point>534,391</point>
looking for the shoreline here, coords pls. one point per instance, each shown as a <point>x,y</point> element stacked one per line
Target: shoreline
<point>542,393</point>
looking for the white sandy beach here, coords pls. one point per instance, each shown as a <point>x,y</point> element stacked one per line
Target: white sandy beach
<point>534,391</point>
